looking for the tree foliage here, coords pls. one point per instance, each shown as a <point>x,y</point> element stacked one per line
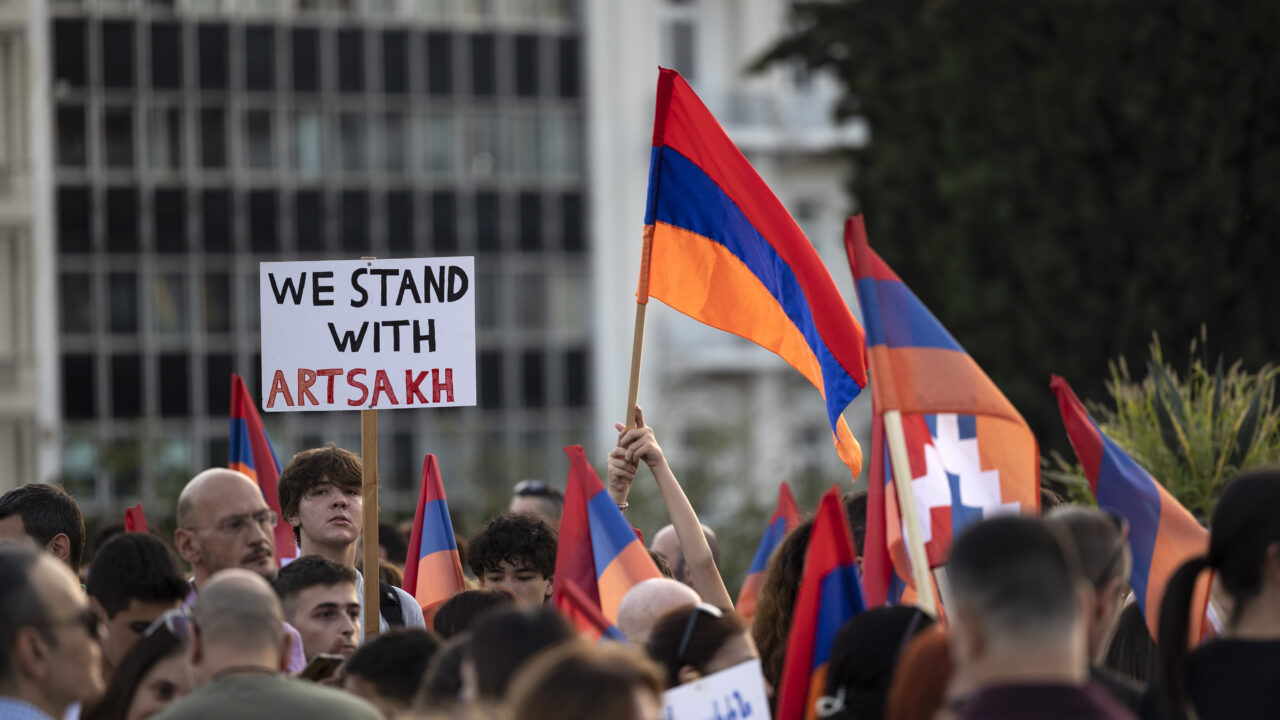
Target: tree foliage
<point>1058,180</point>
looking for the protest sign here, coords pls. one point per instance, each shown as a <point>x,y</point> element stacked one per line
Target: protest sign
<point>733,694</point>
<point>368,334</point>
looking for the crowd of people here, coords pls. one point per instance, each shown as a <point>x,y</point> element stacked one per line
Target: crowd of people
<point>1039,619</point>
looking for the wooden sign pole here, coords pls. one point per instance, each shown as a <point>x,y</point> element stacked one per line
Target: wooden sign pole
<point>897,440</point>
<point>369,487</point>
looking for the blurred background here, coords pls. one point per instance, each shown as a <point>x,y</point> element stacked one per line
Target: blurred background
<point>1056,181</point>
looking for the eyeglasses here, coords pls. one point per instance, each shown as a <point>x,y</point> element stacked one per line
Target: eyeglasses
<point>699,609</point>
<point>87,619</point>
<point>232,526</point>
<point>177,621</point>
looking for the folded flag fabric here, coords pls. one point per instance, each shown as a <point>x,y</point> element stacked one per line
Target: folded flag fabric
<point>785,519</point>
<point>1162,533</point>
<point>598,550</point>
<point>251,453</point>
<point>720,248</point>
<point>135,520</point>
<point>585,615</point>
<point>972,455</point>
<point>433,568</point>
<point>829,595</point>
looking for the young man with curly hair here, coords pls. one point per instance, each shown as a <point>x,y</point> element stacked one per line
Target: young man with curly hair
<point>515,552</point>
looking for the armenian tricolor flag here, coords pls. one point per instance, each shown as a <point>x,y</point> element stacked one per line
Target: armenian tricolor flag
<point>585,615</point>
<point>972,455</point>
<point>433,569</point>
<point>829,595</point>
<point>598,550</point>
<point>785,519</point>
<point>1162,533</point>
<point>251,453</point>
<point>720,248</point>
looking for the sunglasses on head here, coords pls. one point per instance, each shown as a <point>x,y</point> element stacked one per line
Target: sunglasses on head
<point>699,609</point>
<point>536,488</point>
<point>177,621</point>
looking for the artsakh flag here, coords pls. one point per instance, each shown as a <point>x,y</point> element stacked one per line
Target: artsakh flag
<point>597,549</point>
<point>251,453</point>
<point>585,615</point>
<point>1162,534</point>
<point>720,248</point>
<point>972,455</point>
<point>433,568</point>
<point>785,519</point>
<point>829,595</point>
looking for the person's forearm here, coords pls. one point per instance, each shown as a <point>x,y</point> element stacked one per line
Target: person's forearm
<point>704,576</point>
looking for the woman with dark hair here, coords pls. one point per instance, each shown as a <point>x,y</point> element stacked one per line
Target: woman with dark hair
<point>863,656</point>
<point>1131,652</point>
<point>777,600</point>
<point>1238,675</point>
<point>151,675</point>
<point>693,641</point>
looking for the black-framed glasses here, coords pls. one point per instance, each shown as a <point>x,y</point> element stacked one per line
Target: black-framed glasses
<point>699,609</point>
<point>177,621</point>
<point>86,618</point>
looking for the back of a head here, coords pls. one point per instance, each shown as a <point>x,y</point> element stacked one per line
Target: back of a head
<point>395,663</point>
<point>457,614</point>
<point>237,609</point>
<point>710,632</point>
<point>1131,651</point>
<point>442,685</point>
<point>134,566</point>
<point>20,600</point>
<point>777,599</point>
<point>144,655</point>
<point>502,641</point>
<point>394,543</point>
<point>47,511</point>
<point>582,682</point>
<point>648,601</point>
<point>1017,579</point>
<point>310,571</point>
<point>863,656</point>
<point>1098,539</point>
<point>920,680</point>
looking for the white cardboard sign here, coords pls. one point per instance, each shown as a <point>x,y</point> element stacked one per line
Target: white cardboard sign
<point>368,334</point>
<point>733,694</point>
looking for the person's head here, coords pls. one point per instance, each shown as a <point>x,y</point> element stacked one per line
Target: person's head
<point>320,496</point>
<point>1131,651</point>
<point>863,656</point>
<point>777,599</point>
<point>539,498</point>
<point>133,580</point>
<point>694,641</point>
<point>46,516</point>
<point>1017,602</point>
<point>236,622</point>
<point>1102,545</point>
<point>49,651</point>
<point>390,573</point>
<point>666,544</point>
<point>392,545</point>
<point>320,599</point>
<point>515,552</point>
<point>388,671</point>
<point>921,678</point>
<point>649,600</point>
<point>457,614</point>
<point>1244,552</point>
<point>502,641</point>
<point>442,687</point>
<point>582,682</point>
<point>663,567</point>
<point>855,508</point>
<point>224,522</point>
<point>150,676</point>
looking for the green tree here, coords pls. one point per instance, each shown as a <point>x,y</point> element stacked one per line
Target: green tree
<point>1056,180</point>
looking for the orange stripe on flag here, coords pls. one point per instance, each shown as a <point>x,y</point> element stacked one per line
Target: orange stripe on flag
<point>628,567</point>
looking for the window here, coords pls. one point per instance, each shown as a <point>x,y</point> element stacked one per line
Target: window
<point>576,380</point>
<point>679,39</point>
<point>215,303</point>
<point>483,65</point>
<point>126,386</point>
<point>259,57</point>
<point>395,62</point>
<point>69,52</point>
<point>306,60</point>
<point>169,206</point>
<point>216,217</point>
<point>534,393</point>
<point>530,222</point>
<point>526,70</point>
<point>164,138</point>
<point>79,394</point>
<point>117,54</point>
<point>436,140</point>
<point>75,213</point>
<point>174,379</point>
<point>489,380</point>
<point>350,61</point>
<point>353,141</point>
<point>76,303</point>
<point>262,221</point>
<point>308,129</point>
<point>439,63</point>
<point>400,222</point>
<point>122,302</point>
<point>355,221</point>
<point>217,381</point>
<point>571,232</point>
<point>213,138</point>
<point>169,303</point>
<point>122,220</point>
<point>117,128</point>
<point>531,301</point>
<point>488,237</point>
<point>488,300</point>
<point>72,146</point>
<point>257,139</point>
<point>486,143</point>
<point>166,56</point>
<point>570,65</point>
<point>444,222</point>
<point>395,143</point>
<point>308,213</point>
<point>213,55</point>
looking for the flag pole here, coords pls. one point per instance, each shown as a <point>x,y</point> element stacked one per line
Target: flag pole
<point>897,440</point>
<point>369,488</point>
<point>637,339</point>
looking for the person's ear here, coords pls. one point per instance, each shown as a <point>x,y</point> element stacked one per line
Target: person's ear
<point>31,654</point>
<point>687,674</point>
<point>60,547</point>
<point>286,652</point>
<point>967,638</point>
<point>184,541</point>
<point>551,584</point>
